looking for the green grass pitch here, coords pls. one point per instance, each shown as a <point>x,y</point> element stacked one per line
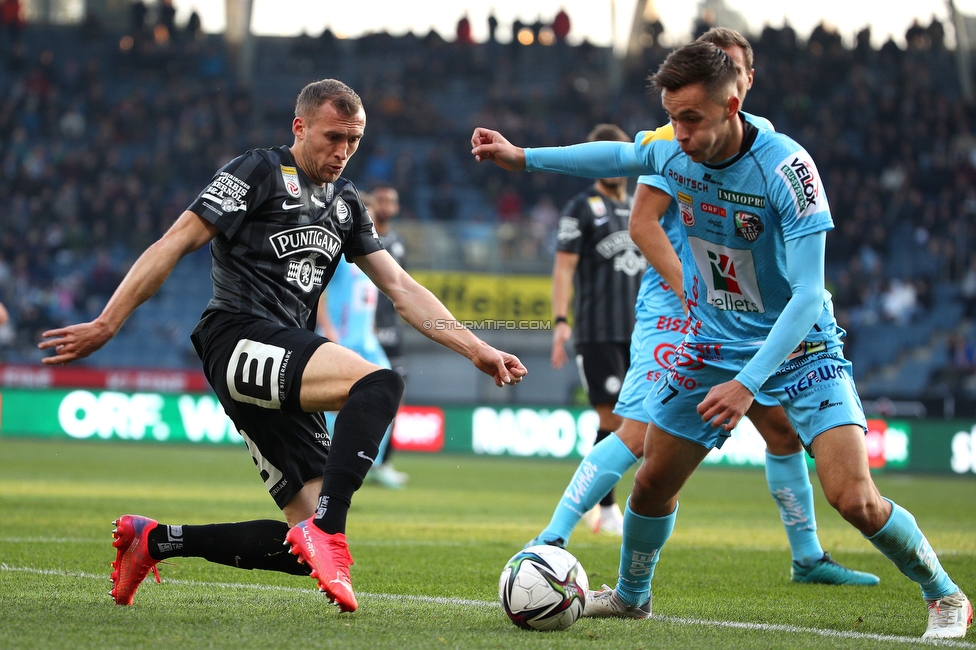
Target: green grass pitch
<point>428,559</point>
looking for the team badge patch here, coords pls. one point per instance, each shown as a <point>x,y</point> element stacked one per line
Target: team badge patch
<point>228,192</point>
<point>687,206</point>
<point>568,229</point>
<point>341,211</point>
<point>290,176</point>
<point>748,226</point>
<point>597,206</point>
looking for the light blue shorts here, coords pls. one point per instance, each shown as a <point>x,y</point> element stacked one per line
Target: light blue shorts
<point>652,350</point>
<point>815,389</point>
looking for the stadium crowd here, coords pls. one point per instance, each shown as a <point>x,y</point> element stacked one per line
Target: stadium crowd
<point>105,137</point>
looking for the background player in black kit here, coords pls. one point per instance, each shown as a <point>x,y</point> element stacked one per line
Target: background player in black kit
<point>277,221</point>
<point>601,268</point>
<point>385,208</point>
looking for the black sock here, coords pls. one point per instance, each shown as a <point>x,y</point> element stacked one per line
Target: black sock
<point>609,499</point>
<point>246,545</point>
<point>359,428</point>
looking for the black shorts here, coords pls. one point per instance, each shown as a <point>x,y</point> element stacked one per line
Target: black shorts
<point>255,367</point>
<point>602,367</point>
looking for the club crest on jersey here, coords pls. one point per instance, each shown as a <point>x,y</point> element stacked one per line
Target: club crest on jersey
<point>306,273</point>
<point>290,176</point>
<point>686,205</point>
<point>748,226</point>
<point>341,211</point>
<point>597,206</point>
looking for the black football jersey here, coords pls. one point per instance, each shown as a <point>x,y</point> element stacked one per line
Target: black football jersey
<point>610,267</point>
<point>387,320</point>
<point>281,236</point>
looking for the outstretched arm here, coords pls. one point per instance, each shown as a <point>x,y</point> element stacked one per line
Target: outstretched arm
<point>587,159</point>
<point>650,204</point>
<point>189,233</point>
<point>430,317</point>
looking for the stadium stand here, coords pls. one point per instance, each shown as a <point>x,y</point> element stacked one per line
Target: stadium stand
<point>106,136</point>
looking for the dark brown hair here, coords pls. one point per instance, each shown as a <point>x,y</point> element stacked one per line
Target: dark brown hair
<point>725,38</point>
<point>695,63</point>
<point>607,132</point>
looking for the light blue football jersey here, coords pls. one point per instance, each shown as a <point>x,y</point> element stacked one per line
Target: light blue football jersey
<point>352,309</point>
<point>735,218</point>
<point>656,297</point>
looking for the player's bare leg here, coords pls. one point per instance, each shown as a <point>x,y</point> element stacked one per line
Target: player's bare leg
<point>842,464</point>
<point>790,487</point>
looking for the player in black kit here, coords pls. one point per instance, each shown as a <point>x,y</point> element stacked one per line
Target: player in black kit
<point>601,268</point>
<point>386,207</point>
<point>277,221</point>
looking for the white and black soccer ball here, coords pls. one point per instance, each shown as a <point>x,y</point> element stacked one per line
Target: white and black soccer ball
<point>543,588</point>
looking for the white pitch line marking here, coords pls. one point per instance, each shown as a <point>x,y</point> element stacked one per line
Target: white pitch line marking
<point>763,627</point>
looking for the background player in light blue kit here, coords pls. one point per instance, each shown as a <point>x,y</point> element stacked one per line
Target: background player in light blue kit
<point>347,316</point>
<point>599,268</point>
<point>661,326</point>
<point>763,321</point>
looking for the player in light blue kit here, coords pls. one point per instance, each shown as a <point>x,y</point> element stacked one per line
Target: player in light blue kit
<point>347,316</point>
<point>762,321</point>
<point>661,325</point>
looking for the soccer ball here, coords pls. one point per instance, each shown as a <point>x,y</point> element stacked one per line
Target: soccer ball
<point>543,588</point>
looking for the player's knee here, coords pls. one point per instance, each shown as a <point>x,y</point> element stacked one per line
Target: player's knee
<point>382,389</point>
<point>653,488</point>
<point>858,507</point>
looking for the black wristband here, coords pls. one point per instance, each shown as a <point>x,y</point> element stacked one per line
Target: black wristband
<point>560,319</point>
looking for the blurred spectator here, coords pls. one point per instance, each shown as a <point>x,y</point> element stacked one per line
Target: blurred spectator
<point>138,12</point>
<point>560,25</point>
<point>492,26</point>
<point>166,16</point>
<point>463,31</point>
<point>11,19</point>
<point>967,288</point>
<point>194,27</point>
<point>543,216</point>
<point>898,301</point>
<point>443,205</point>
<point>509,205</point>
<point>962,353</point>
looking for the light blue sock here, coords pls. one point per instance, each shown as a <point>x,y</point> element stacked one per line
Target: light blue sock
<point>903,543</point>
<point>639,553</point>
<point>789,483</point>
<point>597,473</point>
<point>381,452</point>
